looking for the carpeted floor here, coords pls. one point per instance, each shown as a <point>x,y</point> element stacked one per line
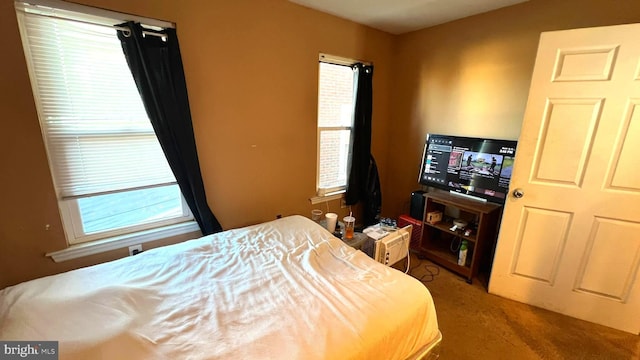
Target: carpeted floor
<point>478,325</point>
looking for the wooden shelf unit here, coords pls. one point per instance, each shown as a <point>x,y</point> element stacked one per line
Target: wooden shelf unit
<point>440,244</point>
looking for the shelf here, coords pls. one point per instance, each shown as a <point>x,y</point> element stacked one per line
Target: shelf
<point>445,226</point>
<point>447,260</point>
<point>437,238</point>
<point>447,199</point>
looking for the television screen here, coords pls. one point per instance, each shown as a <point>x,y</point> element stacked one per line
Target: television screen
<point>470,166</point>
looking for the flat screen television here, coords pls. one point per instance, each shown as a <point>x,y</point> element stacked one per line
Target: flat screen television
<point>476,167</point>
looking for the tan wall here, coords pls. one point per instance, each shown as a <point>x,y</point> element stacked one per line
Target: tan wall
<point>471,77</point>
<point>251,68</point>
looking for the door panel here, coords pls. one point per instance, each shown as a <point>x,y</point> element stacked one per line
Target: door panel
<point>572,243</point>
<point>625,173</point>
<point>611,259</point>
<point>540,244</point>
<point>573,146</point>
<point>583,64</point>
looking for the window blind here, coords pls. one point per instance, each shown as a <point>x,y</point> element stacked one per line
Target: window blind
<point>335,123</point>
<point>98,136</point>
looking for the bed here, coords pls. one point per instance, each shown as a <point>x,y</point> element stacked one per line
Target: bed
<point>285,289</point>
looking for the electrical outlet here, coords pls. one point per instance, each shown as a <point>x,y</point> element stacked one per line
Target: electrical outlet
<point>135,249</point>
<point>343,203</point>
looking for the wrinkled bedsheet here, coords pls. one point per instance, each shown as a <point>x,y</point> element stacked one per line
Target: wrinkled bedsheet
<point>285,289</point>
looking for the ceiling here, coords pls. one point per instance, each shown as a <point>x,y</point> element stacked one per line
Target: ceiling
<point>401,16</point>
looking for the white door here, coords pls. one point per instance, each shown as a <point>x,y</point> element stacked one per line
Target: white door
<point>571,243</point>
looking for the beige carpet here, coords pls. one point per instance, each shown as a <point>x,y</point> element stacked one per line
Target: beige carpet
<point>478,325</point>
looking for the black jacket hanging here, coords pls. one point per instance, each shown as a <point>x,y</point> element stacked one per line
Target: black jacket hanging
<point>373,196</point>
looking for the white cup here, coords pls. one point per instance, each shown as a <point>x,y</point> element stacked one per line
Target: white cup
<point>332,218</point>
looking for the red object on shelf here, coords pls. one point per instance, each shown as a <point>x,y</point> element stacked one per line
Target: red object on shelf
<point>416,232</point>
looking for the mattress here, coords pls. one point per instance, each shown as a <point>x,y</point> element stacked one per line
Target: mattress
<point>285,289</point>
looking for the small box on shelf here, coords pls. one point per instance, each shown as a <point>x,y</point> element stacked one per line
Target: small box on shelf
<point>433,217</point>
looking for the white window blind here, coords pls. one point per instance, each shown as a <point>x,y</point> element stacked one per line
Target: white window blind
<point>98,136</point>
<point>335,123</point>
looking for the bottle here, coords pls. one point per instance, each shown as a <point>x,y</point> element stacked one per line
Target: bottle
<point>462,256</point>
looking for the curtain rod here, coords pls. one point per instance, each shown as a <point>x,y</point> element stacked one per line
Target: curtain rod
<point>122,28</point>
<point>338,60</point>
<point>72,7</point>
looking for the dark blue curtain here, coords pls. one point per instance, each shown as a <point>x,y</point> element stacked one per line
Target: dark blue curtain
<point>156,65</point>
<point>364,185</point>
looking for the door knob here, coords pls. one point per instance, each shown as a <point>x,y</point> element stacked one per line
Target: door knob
<point>518,193</point>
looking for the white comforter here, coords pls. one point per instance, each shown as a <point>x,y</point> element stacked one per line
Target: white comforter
<point>286,289</point>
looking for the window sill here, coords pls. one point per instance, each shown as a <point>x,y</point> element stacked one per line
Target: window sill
<point>320,199</point>
<point>117,242</point>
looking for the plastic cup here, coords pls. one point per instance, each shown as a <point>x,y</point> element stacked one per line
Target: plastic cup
<point>332,218</point>
<point>316,215</point>
<point>349,225</point>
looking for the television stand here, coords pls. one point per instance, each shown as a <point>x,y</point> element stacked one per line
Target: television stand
<point>441,241</point>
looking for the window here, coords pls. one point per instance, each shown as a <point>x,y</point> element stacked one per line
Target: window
<point>335,124</point>
<point>110,174</point>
